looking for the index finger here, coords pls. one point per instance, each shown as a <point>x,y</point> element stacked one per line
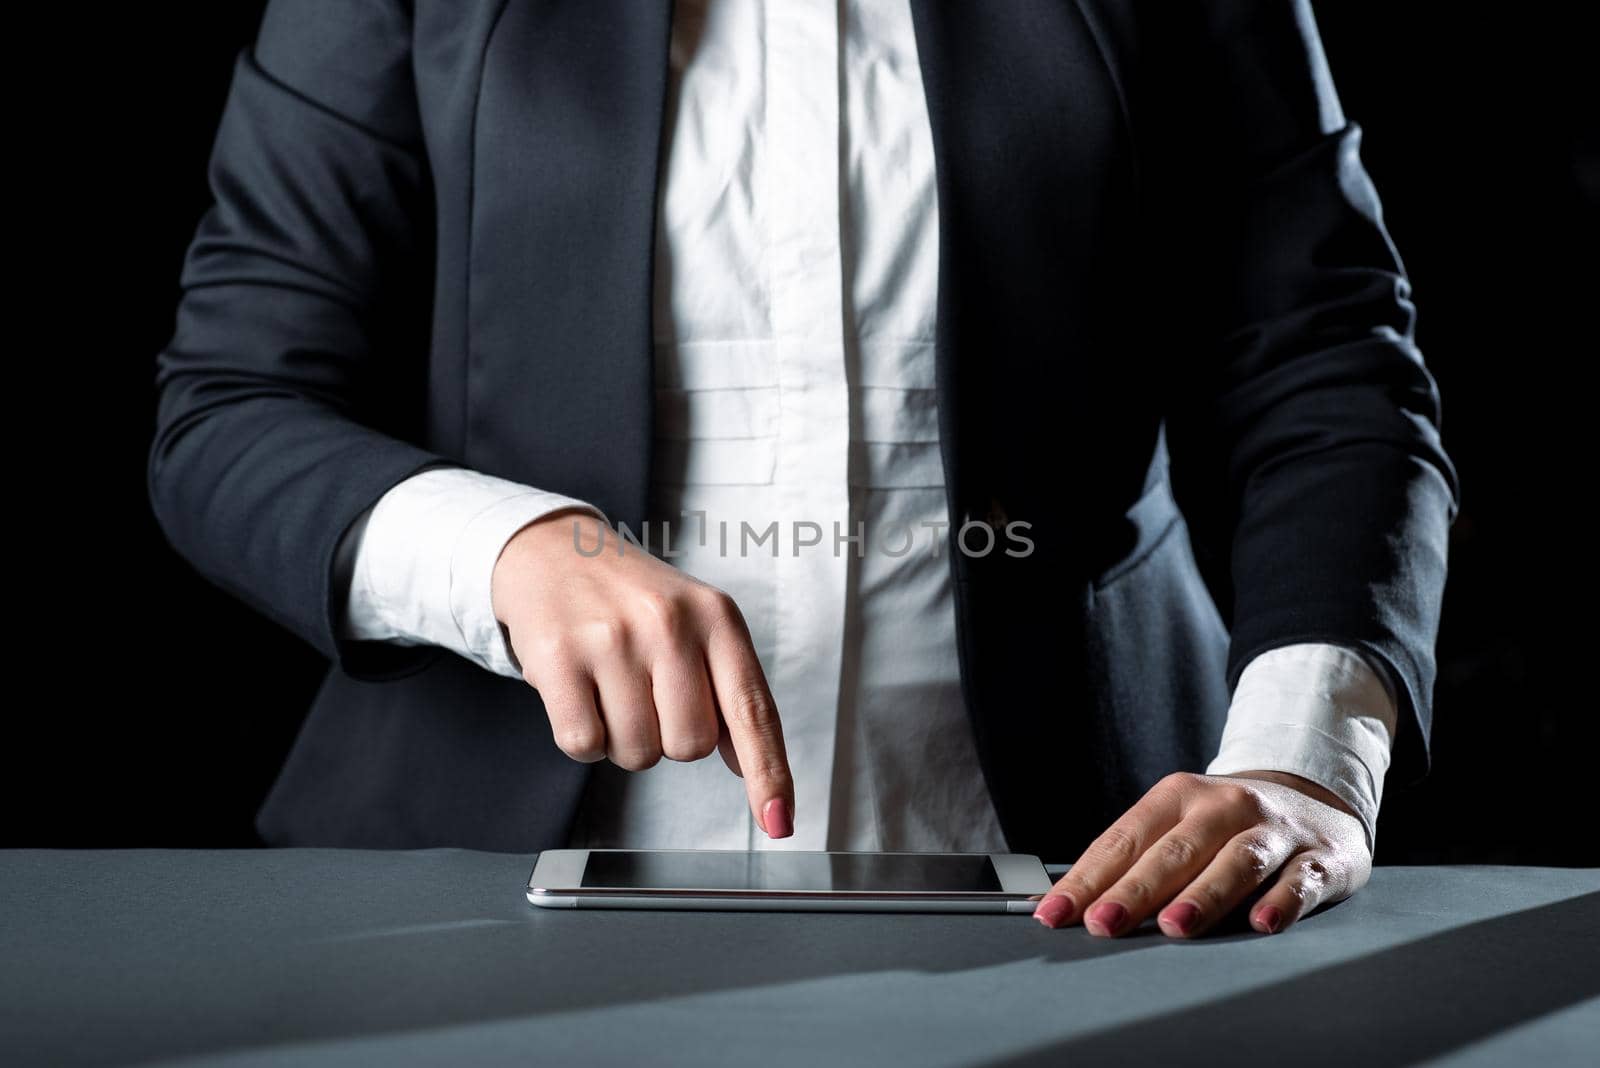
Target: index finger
<point>751,716</point>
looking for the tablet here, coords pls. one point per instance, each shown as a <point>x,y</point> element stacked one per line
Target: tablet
<point>786,880</point>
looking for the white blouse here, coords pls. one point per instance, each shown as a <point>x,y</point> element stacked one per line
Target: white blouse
<point>794,371</point>
<point>797,467</point>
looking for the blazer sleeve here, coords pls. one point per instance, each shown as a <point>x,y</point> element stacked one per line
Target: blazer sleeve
<point>1305,416</point>
<point>294,376</point>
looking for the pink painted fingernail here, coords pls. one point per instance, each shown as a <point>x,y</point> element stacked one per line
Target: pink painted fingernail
<point>1270,919</point>
<point>1054,910</point>
<point>1108,916</point>
<point>775,818</point>
<point>1181,918</point>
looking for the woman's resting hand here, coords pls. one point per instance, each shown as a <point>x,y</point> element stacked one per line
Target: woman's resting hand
<point>1196,847</point>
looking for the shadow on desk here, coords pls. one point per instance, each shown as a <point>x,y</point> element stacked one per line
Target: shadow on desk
<point>151,955</point>
<point>200,954</point>
<point>1398,1006</point>
<point>571,961</point>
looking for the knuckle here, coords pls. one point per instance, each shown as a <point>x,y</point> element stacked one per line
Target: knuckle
<point>1116,844</point>
<point>1178,782</point>
<point>1179,851</point>
<point>1135,891</point>
<point>1178,787</point>
<point>752,707</point>
<point>1212,897</point>
<point>1077,887</point>
<point>1335,846</point>
<point>604,637</point>
<point>769,767</point>
<point>581,741</point>
<point>694,745</point>
<point>1254,855</point>
<point>1311,883</point>
<point>548,650</point>
<point>760,752</point>
<point>1246,800</point>
<point>715,605</point>
<point>663,611</point>
<point>636,758</point>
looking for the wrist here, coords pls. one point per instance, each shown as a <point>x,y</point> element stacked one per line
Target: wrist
<point>1318,712</point>
<point>541,544</point>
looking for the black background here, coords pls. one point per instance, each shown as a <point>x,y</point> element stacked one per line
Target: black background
<point>149,709</point>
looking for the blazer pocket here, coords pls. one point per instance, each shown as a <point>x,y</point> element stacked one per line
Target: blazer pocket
<point>1144,527</point>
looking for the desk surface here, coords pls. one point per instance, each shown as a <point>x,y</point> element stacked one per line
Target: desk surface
<point>332,956</point>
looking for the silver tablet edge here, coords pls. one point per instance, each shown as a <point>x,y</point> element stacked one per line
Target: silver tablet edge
<point>776,903</point>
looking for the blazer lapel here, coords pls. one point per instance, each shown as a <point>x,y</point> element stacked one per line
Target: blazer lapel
<point>1034,180</point>
<point>563,194</point>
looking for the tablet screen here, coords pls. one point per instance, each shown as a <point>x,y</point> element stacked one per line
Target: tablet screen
<point>791,871</point>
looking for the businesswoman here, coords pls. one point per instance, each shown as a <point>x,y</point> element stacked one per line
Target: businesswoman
<point>985,426</point>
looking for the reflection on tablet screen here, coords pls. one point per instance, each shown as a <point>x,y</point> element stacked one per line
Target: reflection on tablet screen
<point>790,871</point>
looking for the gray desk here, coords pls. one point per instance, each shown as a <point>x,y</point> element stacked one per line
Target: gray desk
<point>434,958</point>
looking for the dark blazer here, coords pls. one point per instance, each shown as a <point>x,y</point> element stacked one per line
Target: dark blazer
<point>431,240</point>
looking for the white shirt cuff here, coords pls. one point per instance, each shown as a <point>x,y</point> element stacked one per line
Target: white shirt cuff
<point>1323,712</point>
<point>425,558</point>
